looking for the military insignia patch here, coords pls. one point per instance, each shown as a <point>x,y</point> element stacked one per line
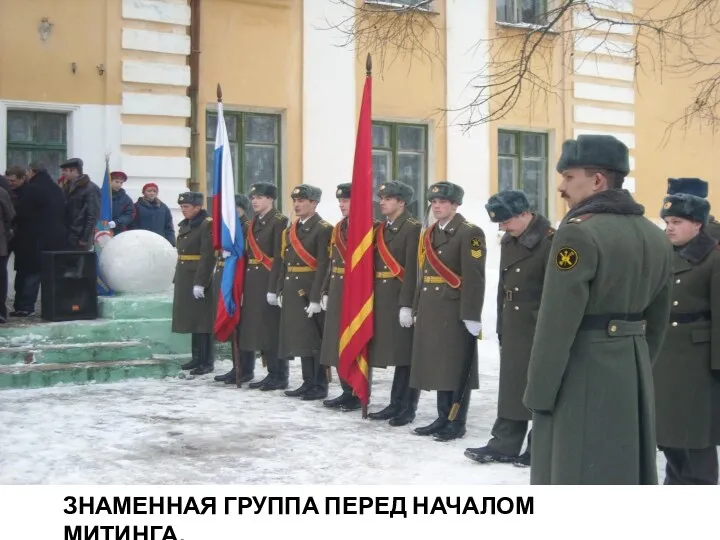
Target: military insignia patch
<point>667,205</point>
<point>476,248</point>
<point>296,191</point>
<point>566,258</point>
<point>435,189</point>
<point>382,187</point>
<point>492,214</point>
<point>252,189</point>
<point>339,192</point>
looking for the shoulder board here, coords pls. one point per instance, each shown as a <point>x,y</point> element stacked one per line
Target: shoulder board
<point>324,223</point>
<point>208,218</point>
<point>580,219</point>
<point>414,221</point>
<point>279,217</point>
<point>468,224</point>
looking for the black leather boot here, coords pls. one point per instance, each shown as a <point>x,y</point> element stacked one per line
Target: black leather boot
<point>352,404</point>
<point>195,351</point>
<point>407,414</point>
<point>228,377</point>
<point>337,402</point>
<point>278,372</point>
<point>455,429</point>
<point>207,355</point>
<point>444,402</point>
<point>300,391</point>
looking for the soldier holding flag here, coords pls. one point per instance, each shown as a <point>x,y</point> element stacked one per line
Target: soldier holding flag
<point>396,245</point>
<point>305,264</point>
<point>448,304</point>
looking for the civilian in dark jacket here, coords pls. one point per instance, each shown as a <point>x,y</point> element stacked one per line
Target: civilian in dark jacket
<point>40,226</point>
<point>123,209</point>
<point>7,213</point>
<point>82,206</point>
<point>151,214</point>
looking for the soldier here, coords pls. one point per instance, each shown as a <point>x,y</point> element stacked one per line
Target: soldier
<point>193,310</point>
<point>698,188</point>
<point>448,304</point>
<point>261,325</point>
<point>247,358</point>
<point>332,302</point>
<point>603,316</point>
<point>396,246</point>
<point>687,372</point>
<point>524,252</point>
<point>305,264</point>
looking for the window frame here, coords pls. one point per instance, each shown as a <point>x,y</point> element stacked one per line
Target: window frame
<point>394,150</point>
<point>397,5</point>
<point>240,116</point>
<point>518,155</point>
<point>517,19</point>
<point>33,146</point>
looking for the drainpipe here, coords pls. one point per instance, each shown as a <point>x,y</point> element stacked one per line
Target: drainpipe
<point>194,184</point>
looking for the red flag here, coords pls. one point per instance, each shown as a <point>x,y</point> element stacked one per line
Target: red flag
<point>356,322</point>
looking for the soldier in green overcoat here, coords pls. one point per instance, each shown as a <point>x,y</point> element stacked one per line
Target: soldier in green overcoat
<point>524,252</point>
<point>194,303</point>
<point>247,358</point>
<point>603,316</point>
<point>331,302</point>
<point>687,372</point>
<point>305,264</point>
<point>396,247</point>
<point>260,326</point>
<point>448,304</point>
<point>698,188</point>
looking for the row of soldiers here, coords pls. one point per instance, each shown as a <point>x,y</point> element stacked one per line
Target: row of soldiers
<point>293,291</point>
<point>600,322</point>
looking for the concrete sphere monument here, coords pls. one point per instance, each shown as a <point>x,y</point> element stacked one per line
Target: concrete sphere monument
<point>138,262</point>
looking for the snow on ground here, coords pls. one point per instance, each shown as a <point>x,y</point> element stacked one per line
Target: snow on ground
<point>178,431</point>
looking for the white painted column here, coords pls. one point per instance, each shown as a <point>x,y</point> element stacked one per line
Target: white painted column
<point>468,153</point>
<point>329,93</point>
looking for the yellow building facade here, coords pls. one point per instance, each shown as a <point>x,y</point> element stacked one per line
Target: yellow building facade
<point>136,80</point>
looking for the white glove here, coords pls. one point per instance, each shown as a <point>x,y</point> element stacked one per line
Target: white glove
<point>405,317</point>
<point>112,224</point>
<point>323,302</point>
<point>312,309</point>
<point>474,327</point>
<point>279,300</point>
<point>272,299</point>
<point>198,292</point>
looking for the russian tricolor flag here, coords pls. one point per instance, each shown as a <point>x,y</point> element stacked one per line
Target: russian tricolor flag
<point>227,235</point>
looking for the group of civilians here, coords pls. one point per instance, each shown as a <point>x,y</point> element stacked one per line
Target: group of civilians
<point>40,214</point>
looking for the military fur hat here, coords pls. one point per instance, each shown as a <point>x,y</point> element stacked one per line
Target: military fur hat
<point>263,189</point>
<point>689,186</point>
<point>686,206</point>
<point>242,201</point>
<point>506,204</point>
<point>399,190</point>
<point>598,151</point>
<point>72,163</point>
<point>343,191</point>
<point>191,197</point>
<point>306,191</point>
<point>447,191</point>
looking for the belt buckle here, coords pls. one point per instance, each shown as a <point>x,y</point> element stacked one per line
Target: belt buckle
<point>508,295</point>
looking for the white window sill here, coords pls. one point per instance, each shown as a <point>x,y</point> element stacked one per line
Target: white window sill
<point>526,26</point>
<point>396,6</point>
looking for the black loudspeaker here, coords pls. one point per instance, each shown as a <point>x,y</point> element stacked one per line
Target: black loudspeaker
<point>69,291</point>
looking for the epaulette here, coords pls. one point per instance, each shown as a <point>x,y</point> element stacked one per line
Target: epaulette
<point>580,219</point>
<point>469,225</point>
<point>279,216</point>
<point>324,223</point>
<point>414,221</point>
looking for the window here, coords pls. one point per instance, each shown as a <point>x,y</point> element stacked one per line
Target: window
<point>37,136</point>
<point>522,165</point>
<point>521,11</point>
<point>258,136</point>
<point>400,153</point>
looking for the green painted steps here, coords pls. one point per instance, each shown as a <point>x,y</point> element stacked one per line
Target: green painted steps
<point>53,353</point>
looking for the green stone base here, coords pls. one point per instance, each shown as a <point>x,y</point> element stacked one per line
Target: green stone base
<point>132,339</point>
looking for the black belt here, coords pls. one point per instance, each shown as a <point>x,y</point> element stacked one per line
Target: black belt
<point>601,322</point>
<point>685,318</point>
<point>522,296</point>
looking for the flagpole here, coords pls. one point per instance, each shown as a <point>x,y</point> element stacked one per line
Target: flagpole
<point>364,411</point>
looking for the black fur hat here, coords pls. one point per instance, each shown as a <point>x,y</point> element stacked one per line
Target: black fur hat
<point>191,197</point>
<point>690,186</point>
<point>306,191</point>
<point>399,190</point>
<point>446,190</point>
<point>506,204</point>
<point>686,206</point>
<point>242,201</point>
<point>599,151</point>
<point>264,189</point>
<point>343,191</point>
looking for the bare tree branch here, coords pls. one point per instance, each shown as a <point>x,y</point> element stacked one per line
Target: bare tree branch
<point>673,38</point>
